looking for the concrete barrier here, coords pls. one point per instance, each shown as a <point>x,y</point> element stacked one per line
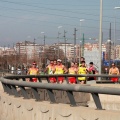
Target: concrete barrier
<point>28,109</point>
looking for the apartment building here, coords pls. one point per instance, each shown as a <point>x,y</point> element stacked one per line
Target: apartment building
<point>71,50</point>
<point>30,49</point>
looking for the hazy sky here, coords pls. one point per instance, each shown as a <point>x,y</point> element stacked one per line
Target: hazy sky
<point>22,20</point>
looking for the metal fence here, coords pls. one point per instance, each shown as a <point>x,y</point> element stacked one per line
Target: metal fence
<point>12,83</point>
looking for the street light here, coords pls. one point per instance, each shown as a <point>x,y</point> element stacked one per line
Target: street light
<point>44,45</point>
<point>100,37</point>
<point>81,20</point>
<point>58,40</point>
<point>65,51</point>
<point>79,50</point>
<point>39,57</point>
<point>44,38</point>
<point>116,7</point>
<point>115,31</point>
<point>109,43</point>
<point>54,53</point>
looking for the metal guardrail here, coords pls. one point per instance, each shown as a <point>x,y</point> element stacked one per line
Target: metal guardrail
<point>12,83</point>
<point>66,77</point>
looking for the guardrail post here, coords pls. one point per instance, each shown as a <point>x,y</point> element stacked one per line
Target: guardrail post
<point>4,87</point>
<point>23,79</point>
<point>51,96</point>
<point>15,91</point>
<point>47,79</point>
<point>71,98</point>
<point>30,79</point>
<point>66,78</point>
<point>9,89</point>
<point>35,92</point>
<point>77,81</point>
<point>39,79</point>
<point>57,79</point>
<point>97,100</point>
<point>24,92</point>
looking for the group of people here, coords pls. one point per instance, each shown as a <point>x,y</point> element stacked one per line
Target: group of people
<point>56,67</point>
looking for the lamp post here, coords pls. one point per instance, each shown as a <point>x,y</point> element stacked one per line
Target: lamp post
<point>74,44</point>
<point>100,38</point>
<point>58,40</point>
<point>65,45</point>
<point>79,50</point>
<point>44,38</point>
<point>39,58</point>
<point>65,52</point>
<point>34,48</point>
<point>54,53</point>
<point>109,43</point>
<point>115,31</point>
<point>81,20</point>
<point>44,45</point>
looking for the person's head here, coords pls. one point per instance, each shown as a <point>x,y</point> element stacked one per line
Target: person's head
<point>91,64</point>
<point>72,64</point>
<point>34,64</point>
<point>113,64</point>
<point>82,59</point>
<point>59,61</point>
<point>55,62</point>
<point>82,63</point>
<point>76,64</point>
<point>51,62</point>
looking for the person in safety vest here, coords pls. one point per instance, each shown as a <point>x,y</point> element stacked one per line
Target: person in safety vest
<point>60,69</point>
<point>114,71</point>
<point>72,70</point>
<point>33,71</point>
<point>82,70</point>
<point>50,69</point>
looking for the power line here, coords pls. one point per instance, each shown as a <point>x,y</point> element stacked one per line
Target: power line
<point>70,25</point>
<point>52,14</point>
<point>62,10</point>
<point>46,3</point>
<point>53,9</point>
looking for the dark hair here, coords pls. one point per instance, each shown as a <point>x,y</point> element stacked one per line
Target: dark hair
<point>91,63</point>
<point>113,63</point>
<point>73,62</point>
<point>82,58</point>
<point>34,63</point>
<point>82,61</point>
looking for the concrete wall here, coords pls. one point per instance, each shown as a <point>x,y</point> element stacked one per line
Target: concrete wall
<point>12,108</point>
